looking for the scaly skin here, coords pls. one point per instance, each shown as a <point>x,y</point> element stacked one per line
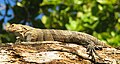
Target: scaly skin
<point>27,33</point>
<point>34,34</point>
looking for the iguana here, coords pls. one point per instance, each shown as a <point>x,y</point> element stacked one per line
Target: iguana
<point>29,34</point>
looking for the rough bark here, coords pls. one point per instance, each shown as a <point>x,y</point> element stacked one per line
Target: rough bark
<point>53,52</point>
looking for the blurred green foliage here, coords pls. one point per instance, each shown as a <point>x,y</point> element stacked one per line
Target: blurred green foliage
<point>100,18</point>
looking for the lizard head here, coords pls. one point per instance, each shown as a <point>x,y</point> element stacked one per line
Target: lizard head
<point>14,28</point>
<point>18,28</point>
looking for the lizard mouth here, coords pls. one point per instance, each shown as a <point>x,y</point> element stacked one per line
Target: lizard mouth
<point>13,30</point>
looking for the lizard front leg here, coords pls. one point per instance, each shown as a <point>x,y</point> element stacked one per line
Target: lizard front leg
<point>19,37</point>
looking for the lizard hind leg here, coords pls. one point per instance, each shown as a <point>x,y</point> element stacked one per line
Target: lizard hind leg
<point>91,51</point>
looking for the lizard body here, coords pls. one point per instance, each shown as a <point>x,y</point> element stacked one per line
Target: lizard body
<point>27,33</point>
<point>30,34</point>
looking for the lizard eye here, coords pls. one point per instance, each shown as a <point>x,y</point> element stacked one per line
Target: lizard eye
<point>12,25</point>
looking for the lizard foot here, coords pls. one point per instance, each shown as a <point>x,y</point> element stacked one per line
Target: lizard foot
<point>91,51</point>
<point>18,40</point>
